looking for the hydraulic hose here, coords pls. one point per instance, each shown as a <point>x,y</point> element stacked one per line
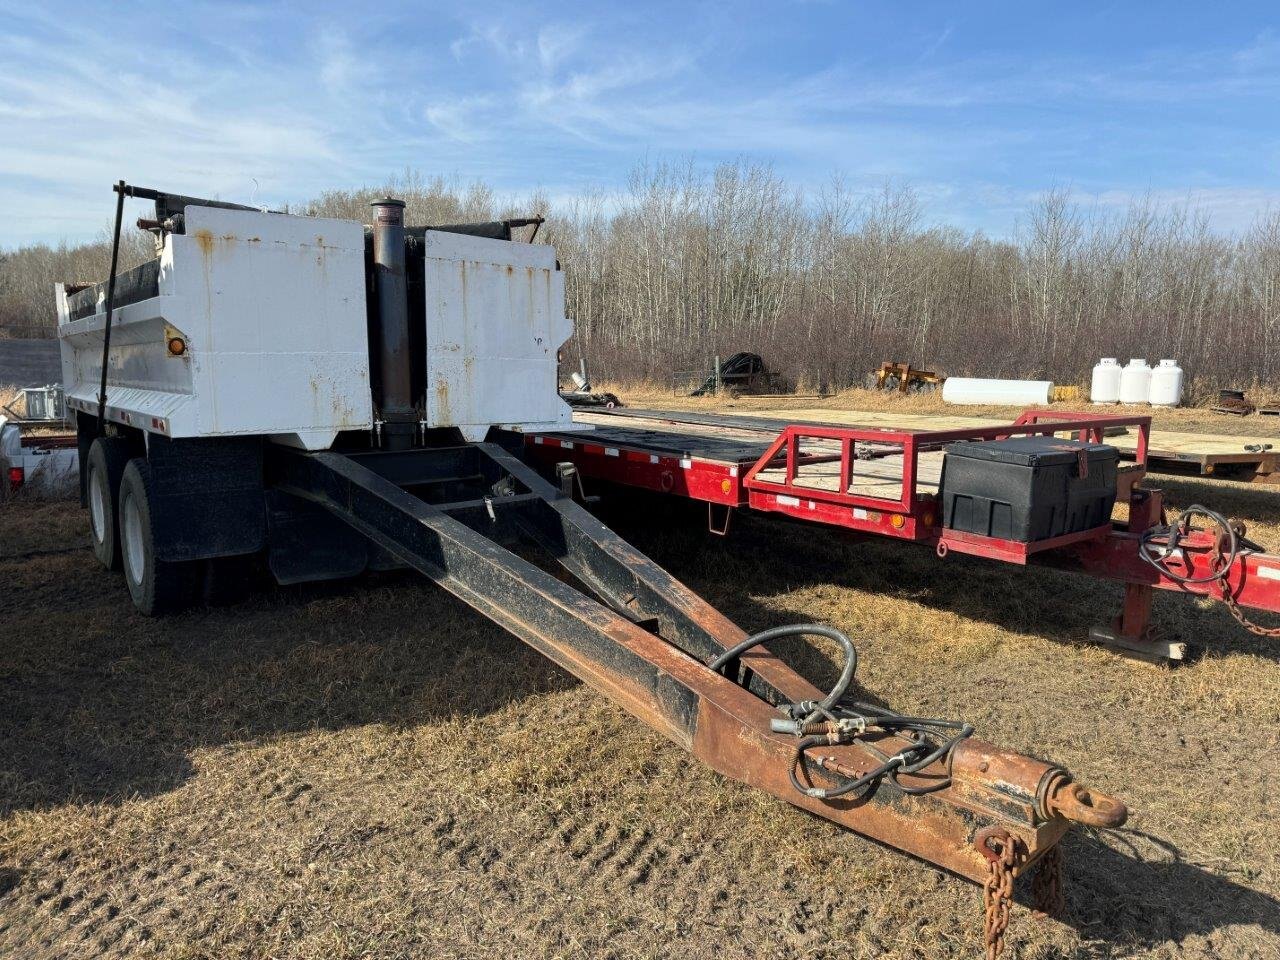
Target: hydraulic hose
<point>1172,533</point>
<point>798,630</point>
<point>836,720</point>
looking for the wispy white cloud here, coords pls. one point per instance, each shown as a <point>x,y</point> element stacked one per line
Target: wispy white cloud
<point>339,67</point>
<point>1262,54</point>
<point>556,42</point>
<point>461,118</point>
<point>936,43</point>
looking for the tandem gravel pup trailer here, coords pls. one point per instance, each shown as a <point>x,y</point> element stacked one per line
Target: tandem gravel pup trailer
<point>336,397</point>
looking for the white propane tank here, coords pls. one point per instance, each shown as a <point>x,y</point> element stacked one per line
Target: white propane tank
<point>973,390</point>
<point>1135,382</point>
<point>1166,384</point>
<point>1105,386</point>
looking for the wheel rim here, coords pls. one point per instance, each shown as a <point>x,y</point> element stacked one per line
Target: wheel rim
<point>131,537</point>
<point>98,505</point>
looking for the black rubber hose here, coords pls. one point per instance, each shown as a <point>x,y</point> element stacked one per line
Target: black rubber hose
<point>1171,534</point>
<point>849,786</point>
<point>797,630</point>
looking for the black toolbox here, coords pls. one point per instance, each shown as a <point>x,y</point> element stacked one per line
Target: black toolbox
<point>1027,488</point>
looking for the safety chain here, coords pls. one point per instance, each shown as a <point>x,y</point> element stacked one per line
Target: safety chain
<point>1046,885</point>
<point>1241,619</point>
<point>1218,565</point>
<point>997,889</point>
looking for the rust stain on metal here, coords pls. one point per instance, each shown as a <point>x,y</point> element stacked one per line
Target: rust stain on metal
<point>204,240</point>
<point>443,415</point>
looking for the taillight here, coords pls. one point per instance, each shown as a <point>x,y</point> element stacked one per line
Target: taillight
<point>17,477</point>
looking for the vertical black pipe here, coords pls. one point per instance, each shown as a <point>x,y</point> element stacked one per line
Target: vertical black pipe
<point>396,398</point>
<point>120,189</point>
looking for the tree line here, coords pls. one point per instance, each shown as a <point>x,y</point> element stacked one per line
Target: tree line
<point>686,262</point>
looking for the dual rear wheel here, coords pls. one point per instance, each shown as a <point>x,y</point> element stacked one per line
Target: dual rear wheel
<point>120,490</point>
<point>156,586</point>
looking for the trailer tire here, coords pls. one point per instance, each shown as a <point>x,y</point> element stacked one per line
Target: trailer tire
<point>108,456</point>
<point>156,586</point>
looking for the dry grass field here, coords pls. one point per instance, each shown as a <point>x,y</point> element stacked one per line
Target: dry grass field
<point>369,769</point>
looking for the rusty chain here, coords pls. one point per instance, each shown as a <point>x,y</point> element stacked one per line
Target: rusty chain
<point>997,889</point>
<point>1241,619</point>
<point>1046,885</point>
<point>1219,565</point>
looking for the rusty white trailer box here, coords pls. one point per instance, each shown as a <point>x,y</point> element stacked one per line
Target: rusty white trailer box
<point>270,313</point>
<point>495,322</point>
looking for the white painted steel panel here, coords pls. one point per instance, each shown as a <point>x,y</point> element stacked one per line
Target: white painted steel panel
<point>272,308</point>
<point>495,320</point>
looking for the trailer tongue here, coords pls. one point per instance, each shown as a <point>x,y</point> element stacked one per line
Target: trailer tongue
<point>235,416</point>
<point>643,639</point>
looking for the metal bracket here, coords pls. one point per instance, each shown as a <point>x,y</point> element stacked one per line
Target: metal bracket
<point>723,529</point>
<point>570,478</point>
<point>1131,633</point>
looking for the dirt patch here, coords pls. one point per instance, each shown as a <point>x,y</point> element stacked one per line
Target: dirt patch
<point>372,770</point>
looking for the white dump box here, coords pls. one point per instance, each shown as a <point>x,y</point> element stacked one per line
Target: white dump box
<point>253,323</point>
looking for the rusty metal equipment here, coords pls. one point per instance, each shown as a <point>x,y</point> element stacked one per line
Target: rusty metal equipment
<point>904,378</point>
<point>927,787</point>
<point>739,374</point>
<point>1233,402</point>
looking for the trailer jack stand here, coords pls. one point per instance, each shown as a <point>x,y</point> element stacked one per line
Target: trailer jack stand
<point>1131,633</point>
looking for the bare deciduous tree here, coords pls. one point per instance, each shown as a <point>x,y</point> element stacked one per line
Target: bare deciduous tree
<point>687,262</point>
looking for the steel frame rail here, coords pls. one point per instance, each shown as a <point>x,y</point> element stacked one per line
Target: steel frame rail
<point>644,641</point>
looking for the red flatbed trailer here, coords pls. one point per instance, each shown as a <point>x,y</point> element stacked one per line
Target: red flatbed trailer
<point>886,482</point>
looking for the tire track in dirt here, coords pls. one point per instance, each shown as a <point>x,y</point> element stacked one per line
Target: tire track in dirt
<point>88,910</point>
<point>113,913</point>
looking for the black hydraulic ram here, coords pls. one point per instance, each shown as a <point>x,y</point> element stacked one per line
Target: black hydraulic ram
<point>646,641</point>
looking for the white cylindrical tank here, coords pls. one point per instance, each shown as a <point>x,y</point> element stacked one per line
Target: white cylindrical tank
<point>1105,386</point>
<point>1166,384</point>
<point>973,390</point>
<point>1135,382</point>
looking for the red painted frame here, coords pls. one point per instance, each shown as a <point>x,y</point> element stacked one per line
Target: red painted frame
<point>1110,552</point>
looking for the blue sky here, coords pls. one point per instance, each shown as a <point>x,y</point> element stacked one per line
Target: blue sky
<point>979,106</point>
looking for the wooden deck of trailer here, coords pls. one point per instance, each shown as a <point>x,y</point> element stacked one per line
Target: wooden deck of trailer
<point>740,440</point>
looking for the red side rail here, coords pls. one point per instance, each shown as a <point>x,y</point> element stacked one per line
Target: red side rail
<point>912,515</point>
